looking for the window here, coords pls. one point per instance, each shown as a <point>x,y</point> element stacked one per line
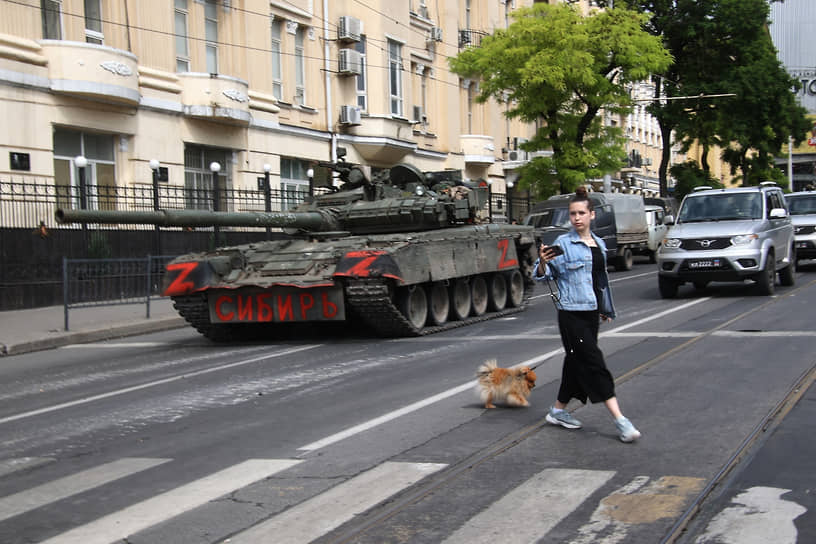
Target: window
<point>182,48</point>
<point>51,20</point>
<point>277,82</point>
<point>211,35</point>
<point>294,182</point>
<point>93,22</point>
<point>395,76</point>
<point>99,176</point>
<point>362,92</point>
<point>300,67</point>
<point>198,178</point>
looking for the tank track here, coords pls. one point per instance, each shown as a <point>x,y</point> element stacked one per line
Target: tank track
<point>372,300</point>
<point>195,310</point>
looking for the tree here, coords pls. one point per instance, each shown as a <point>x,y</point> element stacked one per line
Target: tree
<point>722,46</point>
<point>558,69</point>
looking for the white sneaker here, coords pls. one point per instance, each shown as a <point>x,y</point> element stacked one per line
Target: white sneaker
<point>626,431</point>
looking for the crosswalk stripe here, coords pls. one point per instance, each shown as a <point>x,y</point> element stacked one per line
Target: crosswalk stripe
<point>327,511</point>
<point>16,504</point>
<point>121,524</point>
<point>529,511</point>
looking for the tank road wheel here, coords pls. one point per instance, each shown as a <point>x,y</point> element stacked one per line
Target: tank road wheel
<point>478,293</point>
<point>515,283</point>
<point>439,303</point>
<point>414,306</point>
<point>459,299</point>
<point>497,289</point>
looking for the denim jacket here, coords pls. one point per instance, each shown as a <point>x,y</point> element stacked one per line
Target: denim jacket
<point>572,272</point>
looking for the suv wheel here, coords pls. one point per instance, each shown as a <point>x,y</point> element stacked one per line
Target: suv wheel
<point>787,274</point>
<point>766,279</point>
<point>667,287</point>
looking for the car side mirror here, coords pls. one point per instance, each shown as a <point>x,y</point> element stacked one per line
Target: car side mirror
<point>668,220</point>
<point>778,213</point>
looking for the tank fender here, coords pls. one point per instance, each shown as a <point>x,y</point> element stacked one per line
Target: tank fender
<point>185,277</point>
<point>368,263</point>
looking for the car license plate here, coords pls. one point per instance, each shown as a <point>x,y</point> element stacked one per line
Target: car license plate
<point>801,245</point>
<point>704,263</point>
<point>277,304</point>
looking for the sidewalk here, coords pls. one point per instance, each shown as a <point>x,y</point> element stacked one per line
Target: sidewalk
<point>24,331</point>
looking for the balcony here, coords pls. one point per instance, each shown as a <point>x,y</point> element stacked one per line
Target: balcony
<point>215,97</point>
<point>470,38</point>
<point>478,149</point>
<point>382,139</point>
<point>95,72</point>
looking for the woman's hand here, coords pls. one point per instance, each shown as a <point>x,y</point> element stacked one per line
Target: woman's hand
<point>605,318</point>
<point>546,253</point>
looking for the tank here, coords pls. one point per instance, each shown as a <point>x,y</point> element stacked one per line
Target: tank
<point>401,253</point>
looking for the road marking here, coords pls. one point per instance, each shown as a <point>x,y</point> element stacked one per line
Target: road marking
<point>7,466</point>
<point>638,502</point>
<point>319,515</point>
<point>762,334</point>
<point>659,315</point>
<point>531,510</point>
<point>757,516</point>
<point>16,504</point>
<point>148,385</point>
<point>119,525</point>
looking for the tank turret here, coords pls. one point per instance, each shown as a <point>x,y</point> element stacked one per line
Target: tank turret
<point>405,251</point>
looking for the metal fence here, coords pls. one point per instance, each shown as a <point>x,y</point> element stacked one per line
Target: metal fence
<point>31,202</point>
<point>108,282</point>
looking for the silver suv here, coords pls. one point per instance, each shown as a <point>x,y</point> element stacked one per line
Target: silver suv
<point>803,214</point>
<point>728,235</point>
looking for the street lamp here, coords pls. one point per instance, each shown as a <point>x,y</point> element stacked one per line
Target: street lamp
<point>267,195</point>
<point>81,162</point>
<point>490,200</point>
<point>215,168</point>
<point>310,175</point>
<point>154,166</point>
<point>510,201</point>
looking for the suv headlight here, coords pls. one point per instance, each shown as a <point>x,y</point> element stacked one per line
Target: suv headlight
<point>672,243</point>
<point>742,239</point>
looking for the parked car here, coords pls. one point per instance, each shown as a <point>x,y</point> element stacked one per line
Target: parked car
<point>802,208</point>
<point>655,216</point>
<point>729,235</point>
<point>620,220</point>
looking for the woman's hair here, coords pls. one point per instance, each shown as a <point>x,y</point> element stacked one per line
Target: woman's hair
<point>581,195</point>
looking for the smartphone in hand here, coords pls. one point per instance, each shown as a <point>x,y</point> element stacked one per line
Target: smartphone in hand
<point>557,250</point>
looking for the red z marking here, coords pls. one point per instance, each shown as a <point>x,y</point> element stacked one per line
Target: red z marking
<point>178,285</point>
<point>503,262</point>
<point>361,269</point>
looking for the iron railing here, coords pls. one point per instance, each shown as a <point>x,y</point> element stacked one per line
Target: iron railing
<point>31,202</point>
<point>108,282</point>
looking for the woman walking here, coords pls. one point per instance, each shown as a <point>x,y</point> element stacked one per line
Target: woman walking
<point>578,265</point>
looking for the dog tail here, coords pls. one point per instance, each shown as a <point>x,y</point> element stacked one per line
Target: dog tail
<point>487,368</point>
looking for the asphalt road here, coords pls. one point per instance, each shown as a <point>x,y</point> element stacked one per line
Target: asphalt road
<point>339,437</point>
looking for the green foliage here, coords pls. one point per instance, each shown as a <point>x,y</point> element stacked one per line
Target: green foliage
<point>688,176</point>
<point>554,67</point>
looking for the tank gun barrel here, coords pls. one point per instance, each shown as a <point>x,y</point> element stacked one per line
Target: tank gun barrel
<point>308,220</point>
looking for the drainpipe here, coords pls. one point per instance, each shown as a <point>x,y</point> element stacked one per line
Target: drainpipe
<point>328,72</point>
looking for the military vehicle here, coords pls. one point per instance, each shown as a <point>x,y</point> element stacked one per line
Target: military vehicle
<point>401,252</point>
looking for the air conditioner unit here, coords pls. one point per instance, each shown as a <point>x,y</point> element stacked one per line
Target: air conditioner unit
<point>517,155</point>
<point>350,29</point>
<point>350,62</point>
<point>418,114</point>
<point>435,34</point>
<point>350,115</point>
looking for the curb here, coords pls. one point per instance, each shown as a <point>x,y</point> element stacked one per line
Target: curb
<point>96,335</point>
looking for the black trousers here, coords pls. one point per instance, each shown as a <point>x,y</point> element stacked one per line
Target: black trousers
<point>584,374</point>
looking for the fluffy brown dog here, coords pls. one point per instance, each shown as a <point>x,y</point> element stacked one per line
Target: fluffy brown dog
<point>506,385</point>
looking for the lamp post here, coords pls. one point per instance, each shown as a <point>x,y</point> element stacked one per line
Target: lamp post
<point>267,196</point>
<point>81,162</point>
<point>154,166</point>
<point>310,175</point>
<point>510,201</point>
<point>215,168</point>
<point>490,200</point>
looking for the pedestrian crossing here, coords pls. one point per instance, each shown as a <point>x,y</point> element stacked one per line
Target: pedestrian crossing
<point>529,510</point>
